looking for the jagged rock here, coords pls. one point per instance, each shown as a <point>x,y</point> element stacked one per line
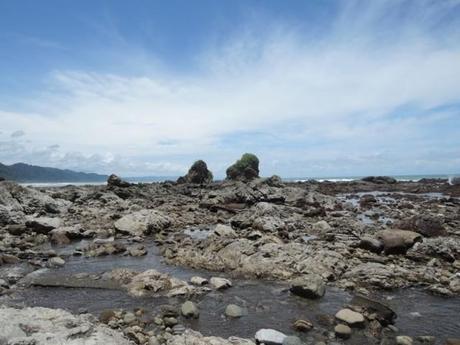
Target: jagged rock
<point>269,337</point>
<point>397,241</point>
<point>427,225</point>
<point>198,173</point>
<point>59,237</point>
<point>246,168</point>
<point>308,286</point>
<point>380,179</point>
<point>16,229</point>
<point>351,317</point>
<point>115,181</point>
<point>143,222</point>
<point>43,225</point>
<point>44,326</point>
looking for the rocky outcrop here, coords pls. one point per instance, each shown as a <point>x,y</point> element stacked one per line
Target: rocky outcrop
<point>379,179</point>
<point>246,168</point>
<point>198,173</point>
<point>116,181</point>
<point>44,326</point>
<point>425,224</point>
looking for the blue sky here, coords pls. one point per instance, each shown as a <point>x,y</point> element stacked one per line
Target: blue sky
<point>314,88</point>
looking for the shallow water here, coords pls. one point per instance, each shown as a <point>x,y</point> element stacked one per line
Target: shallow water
<point>268,304</point>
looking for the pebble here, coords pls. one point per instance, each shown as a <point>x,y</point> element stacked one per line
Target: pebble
<point>199,281</point>
<point>342,331</point>
<point>234,311</point>
<point>302,325</point>
<point>351,317</point>
<point>56,262</point>
<point>189,309</point>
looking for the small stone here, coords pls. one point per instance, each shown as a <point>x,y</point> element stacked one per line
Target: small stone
<point>153,341</point>
<point>56,262</point>
<point>426,340</point>
<point>404,340</point>
<point>234,311</point>
<point>351,317</point>
<point>129,318</point>
<point>342,331</point>
<point>220,283</point>
<point>302,325</point>
<point>198,281</point>
<point>189,309</point>
<point>170,321</point>
<point>107,315</point>
<point>269,337</point>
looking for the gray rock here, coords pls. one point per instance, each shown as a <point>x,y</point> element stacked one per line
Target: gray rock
<point>56,262</point>
<point>269,337</point>
<point>397,241</point>
<point>234,311</point>
<point>222,230</point>
<point>342,331</point>
<point>129,318</point>
<point>142,222</point>
<point>115,181</point>
<point>43,225</point>
<point>404,340</point>
<point>54,329</point>
<point>308,286</point>
<point>199,281</point>
<point>351,317</point>
<point>220,283</point>
<point>246,168</point>
<point>190,310</point>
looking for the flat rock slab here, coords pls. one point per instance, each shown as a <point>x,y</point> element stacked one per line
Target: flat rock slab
<point>44,326</point>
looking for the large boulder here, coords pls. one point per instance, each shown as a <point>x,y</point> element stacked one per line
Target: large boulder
<point>43,225</point>
<point>246,168</point>
<point>44,326</point>
<point>115,181</point>
<point>455,181</point>
<point>308,286</point>
<point>198,173</point>
<point>142,222</point>
<point>427,225</point>
<point>397,241</point>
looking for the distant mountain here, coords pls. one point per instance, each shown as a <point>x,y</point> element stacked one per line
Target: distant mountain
<point>21,172</point>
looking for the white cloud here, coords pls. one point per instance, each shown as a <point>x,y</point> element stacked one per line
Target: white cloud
<point>342,87</point>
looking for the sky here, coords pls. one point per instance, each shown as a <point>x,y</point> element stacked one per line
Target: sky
<point>313,88</point>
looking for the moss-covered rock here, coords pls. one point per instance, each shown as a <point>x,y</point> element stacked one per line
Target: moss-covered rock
<point>198,173</point>
<point>246,168</point>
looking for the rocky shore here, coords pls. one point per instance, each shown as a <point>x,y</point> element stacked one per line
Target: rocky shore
<point>362,237</point>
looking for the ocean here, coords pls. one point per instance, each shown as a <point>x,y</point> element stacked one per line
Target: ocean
<point>150,179</point>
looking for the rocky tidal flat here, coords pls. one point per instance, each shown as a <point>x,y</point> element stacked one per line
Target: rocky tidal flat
<point>247,260</point>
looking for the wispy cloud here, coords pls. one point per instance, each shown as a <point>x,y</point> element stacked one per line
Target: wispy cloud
<point>367,94</point>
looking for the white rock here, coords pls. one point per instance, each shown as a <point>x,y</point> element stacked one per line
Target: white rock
<point>56,262</point>
<point>224,231</point>
<point>351,317</point>
<point>198,281</point>
<point>270,337</point>
<point>220,283</point>
<point>53,328</point>
<point>141,222</point>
